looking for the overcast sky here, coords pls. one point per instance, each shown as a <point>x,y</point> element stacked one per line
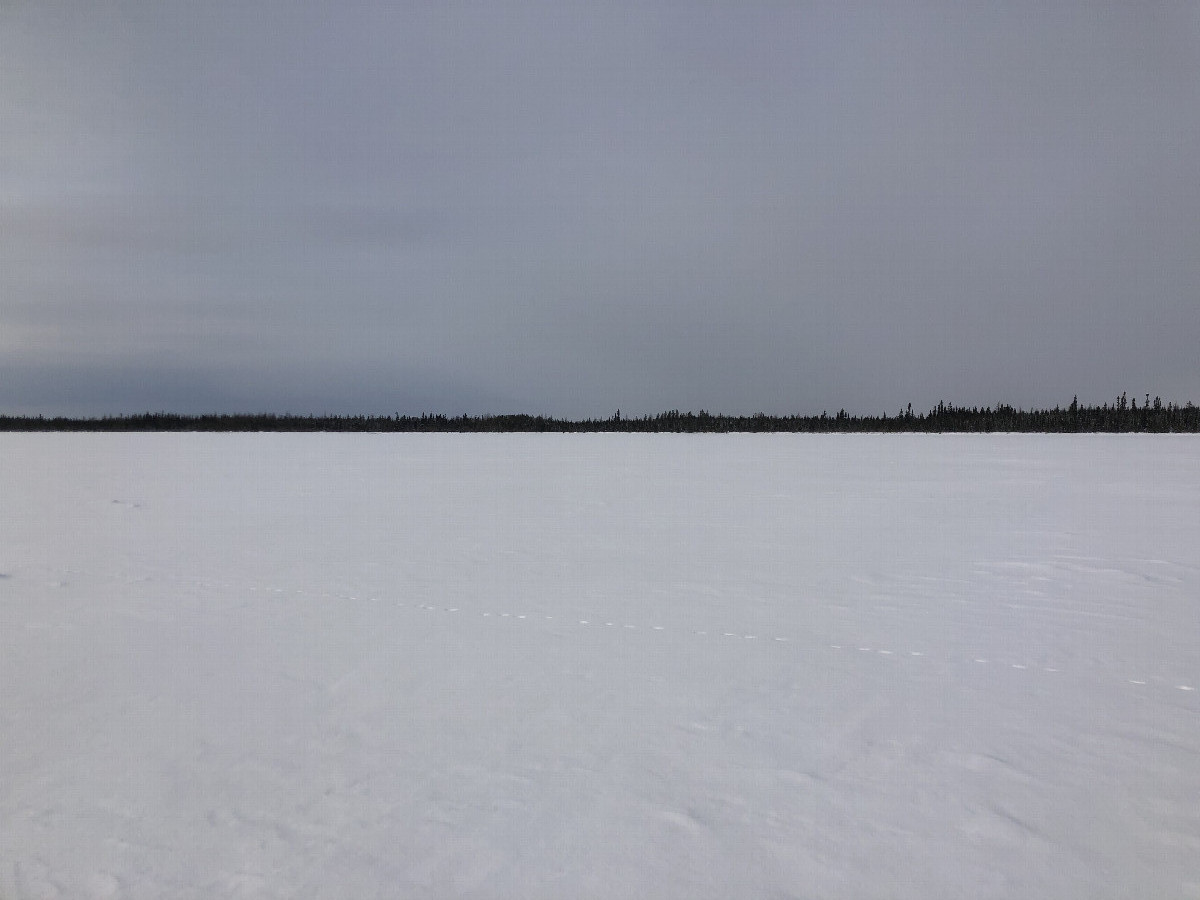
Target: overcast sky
<point>568,208</point>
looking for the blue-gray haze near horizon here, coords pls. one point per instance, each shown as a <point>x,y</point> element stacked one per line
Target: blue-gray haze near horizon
<point>566,208</point>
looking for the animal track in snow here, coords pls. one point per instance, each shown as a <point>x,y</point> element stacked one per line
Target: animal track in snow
<point>914,656</point>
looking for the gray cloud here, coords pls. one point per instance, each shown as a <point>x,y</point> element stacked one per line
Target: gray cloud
<point>568,208</point>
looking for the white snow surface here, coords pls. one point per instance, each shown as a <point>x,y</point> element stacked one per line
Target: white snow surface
<point>599,666</point>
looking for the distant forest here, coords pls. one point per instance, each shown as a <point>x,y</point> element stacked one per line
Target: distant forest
<point>1123,415</point>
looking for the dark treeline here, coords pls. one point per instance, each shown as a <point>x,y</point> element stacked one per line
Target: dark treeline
<point>1122,415</point>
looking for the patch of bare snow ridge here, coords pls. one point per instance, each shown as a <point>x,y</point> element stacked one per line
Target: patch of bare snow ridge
<point>599,666</point>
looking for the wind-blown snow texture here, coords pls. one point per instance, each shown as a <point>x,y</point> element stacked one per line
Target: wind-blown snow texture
<point>599,666</point>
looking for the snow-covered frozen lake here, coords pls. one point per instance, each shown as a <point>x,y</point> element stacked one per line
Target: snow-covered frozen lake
<point>606,666</point>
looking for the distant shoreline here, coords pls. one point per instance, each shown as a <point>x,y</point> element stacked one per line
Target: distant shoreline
<point>1119,417</point>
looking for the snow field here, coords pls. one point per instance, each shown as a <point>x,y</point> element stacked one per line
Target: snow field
<point>603,665</point>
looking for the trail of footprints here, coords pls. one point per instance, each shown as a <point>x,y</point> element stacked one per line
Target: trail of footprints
<point>850,648</point>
